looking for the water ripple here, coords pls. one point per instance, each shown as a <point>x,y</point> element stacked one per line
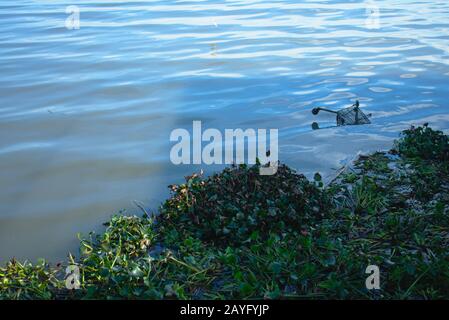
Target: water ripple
<point>86,114</point>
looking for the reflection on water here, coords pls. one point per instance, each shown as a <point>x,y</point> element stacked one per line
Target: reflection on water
<point>85,115</point>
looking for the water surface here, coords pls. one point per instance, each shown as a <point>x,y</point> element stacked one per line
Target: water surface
<point>85,115</point>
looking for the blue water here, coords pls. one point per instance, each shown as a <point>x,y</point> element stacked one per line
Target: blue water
<point>85,115</point>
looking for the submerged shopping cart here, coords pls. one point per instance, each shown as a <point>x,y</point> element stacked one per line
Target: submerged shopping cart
<point>348,116</point>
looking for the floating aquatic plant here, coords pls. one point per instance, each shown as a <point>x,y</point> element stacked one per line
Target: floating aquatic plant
<point>237,234</point>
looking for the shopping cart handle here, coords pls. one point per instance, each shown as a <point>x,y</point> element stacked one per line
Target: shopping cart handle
<point>316,110</point>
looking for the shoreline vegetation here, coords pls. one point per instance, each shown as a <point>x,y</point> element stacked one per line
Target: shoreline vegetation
<point>240,235</point>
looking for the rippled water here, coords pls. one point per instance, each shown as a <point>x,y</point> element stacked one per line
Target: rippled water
<point>85,115</point>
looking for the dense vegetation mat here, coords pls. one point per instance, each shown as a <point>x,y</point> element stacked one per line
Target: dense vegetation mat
<point>237,234</point>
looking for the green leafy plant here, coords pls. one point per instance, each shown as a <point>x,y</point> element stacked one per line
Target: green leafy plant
<point>239,235</point>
